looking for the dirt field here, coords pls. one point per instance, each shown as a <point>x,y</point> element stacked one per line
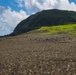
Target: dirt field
<point>38,55</point>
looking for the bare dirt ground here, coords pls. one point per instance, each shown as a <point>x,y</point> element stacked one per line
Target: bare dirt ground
<point>38,55</point>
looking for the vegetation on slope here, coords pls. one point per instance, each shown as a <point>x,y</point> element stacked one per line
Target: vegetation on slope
<point>61,29</point>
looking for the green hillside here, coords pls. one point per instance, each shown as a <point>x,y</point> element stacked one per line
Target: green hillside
<point>45,18</point>
<point>61,29</point>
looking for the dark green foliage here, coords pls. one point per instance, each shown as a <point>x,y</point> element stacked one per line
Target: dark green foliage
<point>45,18</point>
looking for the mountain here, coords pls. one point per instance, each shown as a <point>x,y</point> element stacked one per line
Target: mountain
<point>45,18</point>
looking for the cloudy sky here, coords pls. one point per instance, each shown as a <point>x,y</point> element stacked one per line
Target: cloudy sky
<point>13,11</point>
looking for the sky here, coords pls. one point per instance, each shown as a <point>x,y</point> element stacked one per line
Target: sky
<point>14,11</point>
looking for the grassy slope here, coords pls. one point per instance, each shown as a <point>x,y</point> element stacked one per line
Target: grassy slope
<point>60,29</point>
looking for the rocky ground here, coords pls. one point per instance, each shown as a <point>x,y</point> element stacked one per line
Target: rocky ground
<point>38,55</point>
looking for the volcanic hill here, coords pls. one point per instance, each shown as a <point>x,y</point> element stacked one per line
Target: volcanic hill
<point>45,18</point>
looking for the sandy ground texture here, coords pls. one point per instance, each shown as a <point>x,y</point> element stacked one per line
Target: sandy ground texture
<point>38,55</point>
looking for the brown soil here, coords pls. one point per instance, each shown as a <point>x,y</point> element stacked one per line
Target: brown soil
<point>38,55</point>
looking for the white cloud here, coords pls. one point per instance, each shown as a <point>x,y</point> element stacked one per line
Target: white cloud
<point>2,9</point>
<point>38,5</point>
<point>9,19</point>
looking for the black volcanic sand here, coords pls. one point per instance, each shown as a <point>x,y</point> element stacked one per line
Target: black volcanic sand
<point>38,55</point>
